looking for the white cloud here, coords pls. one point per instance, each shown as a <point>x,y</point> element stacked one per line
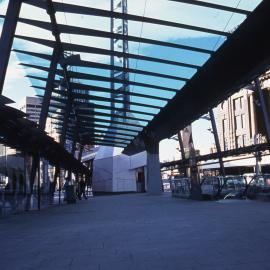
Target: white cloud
<point>16,86</point>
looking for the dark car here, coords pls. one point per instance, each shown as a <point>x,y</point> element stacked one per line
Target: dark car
<point>210,187</point>
<point>259,187</point>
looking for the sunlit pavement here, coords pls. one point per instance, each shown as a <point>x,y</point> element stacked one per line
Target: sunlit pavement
<point>139,232</point>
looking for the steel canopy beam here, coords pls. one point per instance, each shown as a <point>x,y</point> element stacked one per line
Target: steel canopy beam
<point>72,132</point>
<point>89,76</point>
<point>94,118</point>
<point>63,101</point>
<point>87,124</point>
<point>86,88</point>
<point>90,106</point>
<point>48,89</point>
<point>84,112</point>
<point>83,119</point>
<point>38,55</point>
<point>83,10</point>
<point>91,126</point>
<point>93,113</point>
<point>213,83</point>
<point>100,142</point>
<point>103,132</point>
<point>89,64</point>
<point>96,132</point>
<point>85,76</point>
<point>94,50</point>
<point>90,97</point>
<point>214,6</point>
<point>7,37</point>
<point>68,29</point>
<point>98,137</point>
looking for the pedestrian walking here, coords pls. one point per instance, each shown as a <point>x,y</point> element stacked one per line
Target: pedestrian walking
<point>82,186</point>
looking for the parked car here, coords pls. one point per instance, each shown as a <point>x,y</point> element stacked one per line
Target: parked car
<point>233,186</point>
<point>210,187</point>
<point>180,187</point>
<point>223,187</point>
<point>259,187</point>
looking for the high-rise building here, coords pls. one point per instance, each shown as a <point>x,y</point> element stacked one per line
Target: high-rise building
<point>239,118</point>
<point>32,107</point>
<point>236,120</point>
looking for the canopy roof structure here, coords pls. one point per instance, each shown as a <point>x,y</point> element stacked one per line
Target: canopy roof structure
<point>182,58</point>
<point>22,134</point>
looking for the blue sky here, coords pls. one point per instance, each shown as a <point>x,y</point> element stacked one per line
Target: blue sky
<point>17,86</point>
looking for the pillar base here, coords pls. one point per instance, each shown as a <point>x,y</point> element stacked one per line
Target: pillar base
<point>196,194</point>
<point>154,181</point>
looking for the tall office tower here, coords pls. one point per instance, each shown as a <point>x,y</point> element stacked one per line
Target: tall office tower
<point>32,107</point>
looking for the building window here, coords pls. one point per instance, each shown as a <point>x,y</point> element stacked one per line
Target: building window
<point>238,122</point>
<point>237,105</point>
<point>245,140</point>
<point>226,145</point>
<point>239,141</point>
<point>243,121</point>
<point>224,125</point>
<point>242,102</point>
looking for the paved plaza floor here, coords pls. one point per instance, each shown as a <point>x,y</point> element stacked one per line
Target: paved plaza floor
<point>139,232</point>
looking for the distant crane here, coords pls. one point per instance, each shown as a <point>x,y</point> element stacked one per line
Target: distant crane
<point>119,26</point>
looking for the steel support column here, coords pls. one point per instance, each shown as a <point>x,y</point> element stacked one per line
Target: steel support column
<point>56,174</point>
<point>34,167</point>
<point>193,168</point>
<point>73,153</point>
<point>80,153</point>
<point>112,63</point>
<point>46,103</point>
<point>58,51</point>
<point>49,87</point>
<point>125,60</point>
<point>80,159</point>
<point>33,174</point>
<point>47,95</point>
<point>217,143</point>
<point>7,37</point>
<point>195,192</point>
<point>68,106</point>
<point>65,122</point>
<point>38,184</point>
<point>154,181</point>
<point>182,150</point>
<point>59,189</point>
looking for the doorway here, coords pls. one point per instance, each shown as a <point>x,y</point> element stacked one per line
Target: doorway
<point>140,180</point>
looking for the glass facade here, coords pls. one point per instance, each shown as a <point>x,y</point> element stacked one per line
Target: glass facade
<point>15,194</point>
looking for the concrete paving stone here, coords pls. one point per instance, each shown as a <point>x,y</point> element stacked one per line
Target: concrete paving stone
<point>141,232</point>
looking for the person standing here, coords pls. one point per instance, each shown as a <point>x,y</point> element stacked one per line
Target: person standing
<point>82,186</point>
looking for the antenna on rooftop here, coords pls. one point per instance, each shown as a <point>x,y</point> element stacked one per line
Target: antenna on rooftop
<point>119,26</point>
